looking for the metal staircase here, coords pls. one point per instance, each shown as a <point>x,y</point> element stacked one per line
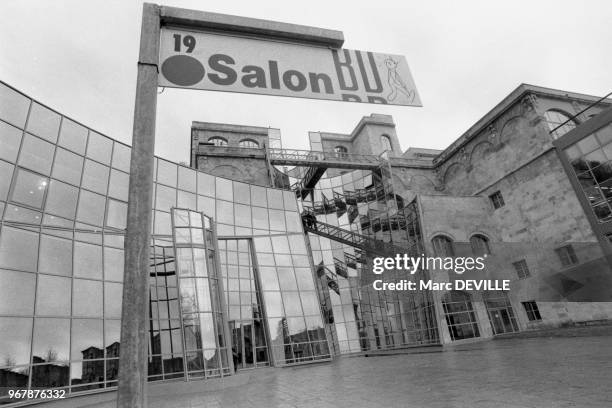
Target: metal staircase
<point>371,245</point>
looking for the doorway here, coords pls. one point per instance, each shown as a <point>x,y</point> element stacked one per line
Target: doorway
<point>500,312</point>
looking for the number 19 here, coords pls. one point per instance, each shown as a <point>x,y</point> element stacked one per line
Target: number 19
<point>188,41</point>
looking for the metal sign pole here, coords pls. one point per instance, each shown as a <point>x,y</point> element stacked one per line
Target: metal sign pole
<point>134,316</point>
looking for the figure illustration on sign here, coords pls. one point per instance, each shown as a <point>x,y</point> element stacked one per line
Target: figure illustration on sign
<point>396,82</point>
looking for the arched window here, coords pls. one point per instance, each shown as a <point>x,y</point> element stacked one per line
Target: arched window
<point>386,143</point>
<point>249,143</point>
<point>480,245</point>
<point>217,141</point>
<point>555,119</point>
<point>341,151</point>
<point>460,316</point>
<point>443,246</point>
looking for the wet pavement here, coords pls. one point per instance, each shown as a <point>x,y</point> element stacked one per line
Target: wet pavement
<point>538,372</point>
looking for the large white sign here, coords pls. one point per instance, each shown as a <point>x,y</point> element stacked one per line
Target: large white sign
<point>221,62</point>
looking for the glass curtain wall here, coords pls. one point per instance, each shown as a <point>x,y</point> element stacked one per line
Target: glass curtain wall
<point>358,317</point>
<point>63,209</point>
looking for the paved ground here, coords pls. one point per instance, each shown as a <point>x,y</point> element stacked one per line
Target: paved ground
<point>539,372</point>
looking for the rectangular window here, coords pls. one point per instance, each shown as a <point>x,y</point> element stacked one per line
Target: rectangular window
<point>497,199</point>
<point>521,269</point>
<point>533,313</point>
<point>567,255</point>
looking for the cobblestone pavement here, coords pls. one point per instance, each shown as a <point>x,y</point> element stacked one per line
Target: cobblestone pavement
<point>539,372</point>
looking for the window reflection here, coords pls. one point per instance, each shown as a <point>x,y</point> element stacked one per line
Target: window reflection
<point>51,340</point>
<point>15,340</point>
<point>30,188</point>
<point>86,339</point>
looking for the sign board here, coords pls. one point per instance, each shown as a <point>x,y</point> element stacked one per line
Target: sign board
<point>219,62</point>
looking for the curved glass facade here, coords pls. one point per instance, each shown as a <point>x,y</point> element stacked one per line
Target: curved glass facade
<point>63,206</point>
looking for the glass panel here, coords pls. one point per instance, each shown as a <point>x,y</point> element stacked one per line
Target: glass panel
<point>290,201</point>
<point>304,278</point>
<point>36,154</point>
<point>112,300</point>
<point>95,177</point>
<point>121,157</point>
<point>99,148</point>
<point>91,208</point>
<point>258,196</point>
<point>274,304</point>
<point>16,293</point>
<point>43,122</point>
<point>73,136</point>
<point>224,189</point>
<point>18,249</point>
<point>29,188</point>
<point>119,185</point>
<point>62,199</point>
<point>15,340</point>
<point>187,179</point>
<point>51,340</point>
<point>21,214</point>
<point>297,244</point>
<point>260,218</point>
<point>53,296</point>
<point>242,193</point>
<point>87,339</point>
<point>243,215</point>
<point>292,304</point>
<point>286,278</point>
<point>310,303</point>
<point>112,333</point>
<point>275,198</point>
<point>87,260</point>
<point>277,220</point>
<point>113,264</point>
<point>117,214</point>
<point>87,298</point>
<point>13,106</point>
<point>55,256</point>
<point>186,200</point>
<point>6,175</point>
<point>166,198</point>
<point>166,173</point>
<point>206,184</point>
<point>68,167</point>
<point>10,138</point>
<point>225,212</point>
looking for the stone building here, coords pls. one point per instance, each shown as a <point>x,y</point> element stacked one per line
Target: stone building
<point>502,188</point>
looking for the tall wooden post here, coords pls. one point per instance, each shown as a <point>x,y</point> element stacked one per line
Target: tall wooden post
<point>134,316</point>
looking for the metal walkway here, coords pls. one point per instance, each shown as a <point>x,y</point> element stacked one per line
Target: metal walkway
<point>350,238</point>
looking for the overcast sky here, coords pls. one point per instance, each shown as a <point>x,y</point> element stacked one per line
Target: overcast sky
<point>79,57</point>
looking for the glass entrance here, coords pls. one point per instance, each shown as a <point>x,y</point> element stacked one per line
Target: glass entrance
<point>500,312</point>
<point>249,347</point>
